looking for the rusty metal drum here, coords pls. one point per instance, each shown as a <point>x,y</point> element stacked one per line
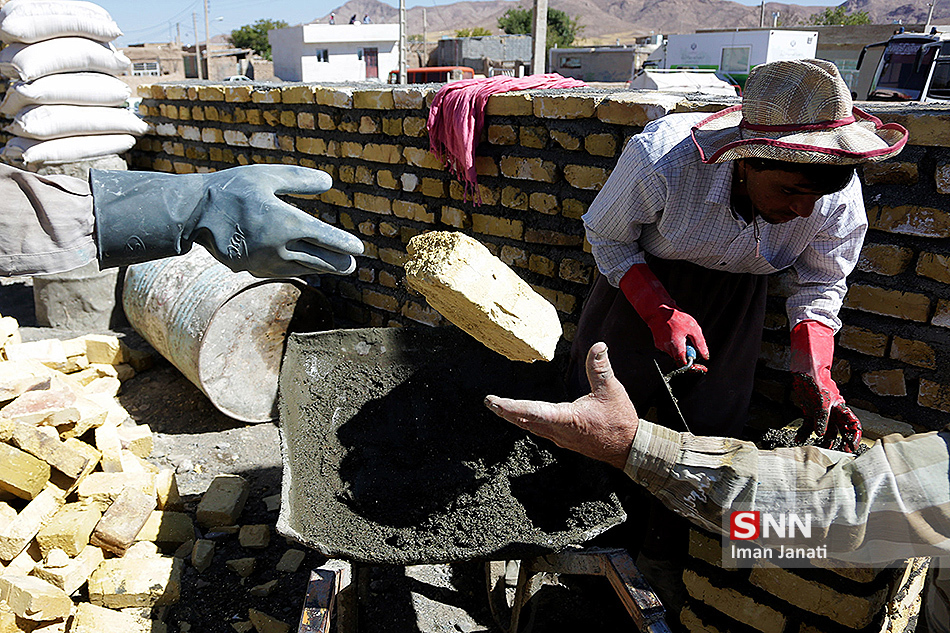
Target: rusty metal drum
<point>224,331</point>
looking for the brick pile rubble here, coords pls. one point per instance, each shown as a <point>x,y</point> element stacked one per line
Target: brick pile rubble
<point>93,537</point>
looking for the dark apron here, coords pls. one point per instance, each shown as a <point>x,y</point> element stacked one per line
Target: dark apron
<point>730,308</point>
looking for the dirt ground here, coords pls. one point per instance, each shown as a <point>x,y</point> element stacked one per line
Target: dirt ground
<point>199,442</point>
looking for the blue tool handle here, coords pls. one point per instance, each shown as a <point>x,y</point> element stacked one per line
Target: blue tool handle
<point>690,354</point>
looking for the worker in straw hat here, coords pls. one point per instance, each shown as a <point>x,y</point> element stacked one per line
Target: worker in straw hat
<point>698,211</point>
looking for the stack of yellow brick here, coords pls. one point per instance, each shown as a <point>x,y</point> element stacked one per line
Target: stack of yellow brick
<point>79,503</point>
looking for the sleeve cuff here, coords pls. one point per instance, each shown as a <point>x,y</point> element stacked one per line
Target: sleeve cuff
<point>654,452</point>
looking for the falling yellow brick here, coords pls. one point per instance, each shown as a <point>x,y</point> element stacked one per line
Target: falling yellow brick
<point>480,294</point>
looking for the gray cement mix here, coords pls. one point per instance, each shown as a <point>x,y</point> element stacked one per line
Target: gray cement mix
<point>391,457</point>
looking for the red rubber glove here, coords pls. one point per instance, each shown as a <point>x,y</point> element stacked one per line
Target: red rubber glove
<point>825,412</point>
<point>671,327</point>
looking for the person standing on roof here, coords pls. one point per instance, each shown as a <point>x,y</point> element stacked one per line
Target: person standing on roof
<point>332,18</point>
<point>353,19</point>
<point>366,19</point>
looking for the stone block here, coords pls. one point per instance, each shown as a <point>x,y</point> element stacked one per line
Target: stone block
<point>167,527</point>
<point>47,446</point>
<point>48,351</point>
<point>254,536</point>
<point>46,407</point>
<point>862,340</point>
<point>934,266</point>
<point>166,489</point>
<point>913,352</point>
<point>477,292</point>
<point>74,574</point>
<point>103,489</point>
<point>110,446</point>
<point>123,520</point>
<point>497,227</point>
<point>846,609</point>
<point>291,560</point>
<point>264,623</point>
<point>22,474</point>
<point>884,259</point>
<point>886,382</point>
<point>137,439</point>
<point>636,109</point>
<point>536,169</point>
<point>243,567</point>
<point>734,604</point>
<point>910,306</point>
<point>91,618</point>
<point>17,377</point>
<point>34,599</point>
<point>105,348</point>
<point>119,582</point>
<point>585,176</point>
<point>910,220</point>
<point>202,554</point>
<point>934,395</point>
<point>69,529</point>
<point>223,502</point>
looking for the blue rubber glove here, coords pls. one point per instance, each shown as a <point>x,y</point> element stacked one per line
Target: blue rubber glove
<point>233,213</point>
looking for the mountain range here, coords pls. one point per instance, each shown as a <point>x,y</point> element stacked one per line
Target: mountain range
<point>607,21</point>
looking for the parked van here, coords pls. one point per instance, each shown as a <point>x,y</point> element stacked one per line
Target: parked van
<point>907,67</point>
<point>433,74</point>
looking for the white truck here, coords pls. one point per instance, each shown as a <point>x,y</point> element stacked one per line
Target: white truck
<point>906,67</point>
<point>732,54</point>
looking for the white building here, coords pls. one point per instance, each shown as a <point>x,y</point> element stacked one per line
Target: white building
<point>335,52</point>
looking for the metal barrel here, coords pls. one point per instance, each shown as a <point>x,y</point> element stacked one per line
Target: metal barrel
<point>224,331</point>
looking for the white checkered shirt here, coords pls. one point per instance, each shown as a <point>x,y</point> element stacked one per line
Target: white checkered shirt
<point>662,199</point>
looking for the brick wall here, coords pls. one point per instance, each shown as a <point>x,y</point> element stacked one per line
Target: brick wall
<point>543,159</point>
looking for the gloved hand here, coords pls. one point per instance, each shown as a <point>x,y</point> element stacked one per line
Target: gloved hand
<point>233,213</point>
<point>825,411</point>
<point>671,327</point>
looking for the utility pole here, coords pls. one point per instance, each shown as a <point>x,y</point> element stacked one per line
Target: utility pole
<point>207,55</point>
<point>178,36</point>
<point>539,35</point>
<point>930,15</point>
<point>425,38</point>
<point>403,79</point>
<point>194,20</point>
<point>762,14</point>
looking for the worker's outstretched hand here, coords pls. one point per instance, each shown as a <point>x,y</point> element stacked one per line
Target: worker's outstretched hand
<point>813,390</point>
<point>600,425</point>
<point>234,213</point>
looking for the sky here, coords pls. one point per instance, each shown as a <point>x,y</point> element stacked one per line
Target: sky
<point>160,20</point>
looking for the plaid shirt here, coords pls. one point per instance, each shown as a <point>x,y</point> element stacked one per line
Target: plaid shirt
<point>891,503</point>
<point>662,199</point>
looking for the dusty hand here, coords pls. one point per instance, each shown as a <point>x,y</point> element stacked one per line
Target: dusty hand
<point>600,425</point>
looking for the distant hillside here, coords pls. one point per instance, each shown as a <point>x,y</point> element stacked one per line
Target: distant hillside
<point>605,21</point>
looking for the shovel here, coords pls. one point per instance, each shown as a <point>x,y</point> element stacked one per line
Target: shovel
<point>665,378</point>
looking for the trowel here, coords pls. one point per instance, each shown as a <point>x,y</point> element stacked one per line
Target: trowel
<point>665,379</point>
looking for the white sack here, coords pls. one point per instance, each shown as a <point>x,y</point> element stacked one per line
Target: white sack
<point>35,20</point>
<point>46,122</point>
<point>65,150</point>
<point>27,62</point>
<point>66,88</point>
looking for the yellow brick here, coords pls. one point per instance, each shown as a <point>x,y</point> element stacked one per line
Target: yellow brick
<point>265,95</point>
<point>433,188</point>
<point>380,300</point>
<point>486,166</point>
<point>326,122</point>
<point>862,340</point>
<point>915,353</point>
<point>934,395</point>
<point>533,136</point>
<point>176,93</point>
<point>305,121</point>
<point>934,266</point>
<point>502,135</point>
<point>510,104</point>
<point>392,126</point>
<point>514,256</point>
<point>288,118</point>
<point>336,197</point>
<point>391,154</point>
<point>410,98</point>
<point>421,314</point>
<point>211,93</point>
<point>499,227</point>
<point>910,220</point>
<point>386,180</point>
<point>373,204</point>
<point>904,305</point>
<point>348,125</point>
<point>514,198</point>
<point>297,94</point>
<point>601,144</point>
<point>734,604</point>
<point>574,209</point>
<point>942,314</point>
<point>891,172</point>
<point>541,265</point>
<point>926,128</point>
<point>566,140</point>
<point>849,610</point>
<point>69,529</point>
<point>886,382</point>
<point>418,157</point>
<point>454,217</point>
<point>414,126</point>
<point>565,106</point>
<point>543,203</point>
<point>585,176</point>
<point>334,97</point>
<point>373,99</point>
<point>197,113</point>
<point>535,169</point>
<point>636,110</point>
<point>271,117</point>
<point>22,474</point>
<point>365,175</point>
<point>884,259</point>
<point>237,94</point>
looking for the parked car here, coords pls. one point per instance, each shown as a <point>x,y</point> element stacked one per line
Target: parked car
<point>238,78</point>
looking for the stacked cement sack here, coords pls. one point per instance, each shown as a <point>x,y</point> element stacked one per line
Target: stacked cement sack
<point>65,98</point>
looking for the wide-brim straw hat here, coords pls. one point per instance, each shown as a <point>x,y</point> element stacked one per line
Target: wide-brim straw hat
<point>798,111</point>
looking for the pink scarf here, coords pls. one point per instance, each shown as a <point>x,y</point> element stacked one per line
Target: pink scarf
<point>457,117</point>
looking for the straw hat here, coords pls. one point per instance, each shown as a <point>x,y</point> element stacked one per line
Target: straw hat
<point>798,111</point>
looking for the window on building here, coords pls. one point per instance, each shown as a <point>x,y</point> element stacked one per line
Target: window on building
<point>323,55</point>
<point>570,62</point>
<point>735,59</point>
<point>146,68</point>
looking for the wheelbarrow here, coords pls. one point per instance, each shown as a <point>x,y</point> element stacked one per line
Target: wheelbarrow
<point>391,458</point>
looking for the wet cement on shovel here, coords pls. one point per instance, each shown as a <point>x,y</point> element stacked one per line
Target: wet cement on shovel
<point>391,457</point>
